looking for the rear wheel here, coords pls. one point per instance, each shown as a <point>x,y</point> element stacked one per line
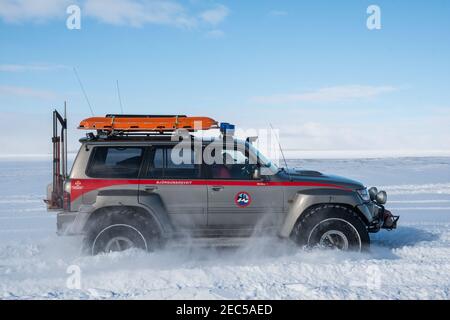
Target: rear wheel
<point>332,227</point>
<point>118,237</point>
<point>120,230</point>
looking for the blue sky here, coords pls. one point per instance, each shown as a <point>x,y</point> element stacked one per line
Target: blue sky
<point>311,68</point>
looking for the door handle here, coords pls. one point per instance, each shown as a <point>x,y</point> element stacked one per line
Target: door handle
<point>217,188</point>
<point>150,188</point>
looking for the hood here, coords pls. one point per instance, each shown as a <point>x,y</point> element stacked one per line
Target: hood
<point>316,176</point>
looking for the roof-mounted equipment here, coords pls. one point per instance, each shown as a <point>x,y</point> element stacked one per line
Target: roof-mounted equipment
<point>113,123</point>
<point>227,129</point>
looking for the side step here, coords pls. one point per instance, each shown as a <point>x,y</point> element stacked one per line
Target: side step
<point>215,242</point>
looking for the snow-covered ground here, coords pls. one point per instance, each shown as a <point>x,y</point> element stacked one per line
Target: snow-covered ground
<point>412,262</point>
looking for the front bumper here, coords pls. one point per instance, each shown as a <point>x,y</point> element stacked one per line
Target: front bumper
<point>378,217</point>
<point>389,220</point>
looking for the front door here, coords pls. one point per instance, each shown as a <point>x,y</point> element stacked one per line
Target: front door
<point>236,200</point>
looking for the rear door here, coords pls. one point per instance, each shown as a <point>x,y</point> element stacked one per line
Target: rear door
<point>236,200</point>
<point>179,187</point>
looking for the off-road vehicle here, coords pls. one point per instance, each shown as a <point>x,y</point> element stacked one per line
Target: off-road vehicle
<point>126,190</point>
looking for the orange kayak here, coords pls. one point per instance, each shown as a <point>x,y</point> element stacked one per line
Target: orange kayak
<point>141,123</point>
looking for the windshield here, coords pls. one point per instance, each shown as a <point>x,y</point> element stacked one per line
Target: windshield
<point>262,159</point>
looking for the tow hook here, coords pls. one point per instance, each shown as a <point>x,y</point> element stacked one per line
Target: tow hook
<point>389,220</point>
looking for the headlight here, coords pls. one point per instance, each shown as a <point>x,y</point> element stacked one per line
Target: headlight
<point>364,194</point>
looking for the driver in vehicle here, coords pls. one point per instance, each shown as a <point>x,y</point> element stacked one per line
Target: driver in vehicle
<point>224,171</point>
<point>235,166</point>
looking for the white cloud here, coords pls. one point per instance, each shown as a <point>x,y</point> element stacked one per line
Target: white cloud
<point>346,131</point>
<point>30,67</point>
<point>329,94</point>
<point>215,15</point>
<point>342,133</point>
<point>137,13</point>
<point>13,91</point>
<point>16,11</point>
<point>215,34</point>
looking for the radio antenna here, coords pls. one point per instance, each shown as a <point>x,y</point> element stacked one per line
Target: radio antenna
<point>282,153</point>
<point>84,91</point>
<point>120,98</point>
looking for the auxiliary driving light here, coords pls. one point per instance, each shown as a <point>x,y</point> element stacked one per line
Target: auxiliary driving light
<point>373,193</point>
<point>381,197</point>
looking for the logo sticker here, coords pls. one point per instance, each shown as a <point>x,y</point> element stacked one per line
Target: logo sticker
<point>77,185</point>
<point>243,199</point>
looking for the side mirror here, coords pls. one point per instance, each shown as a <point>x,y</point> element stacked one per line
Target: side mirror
<point>257,174</point>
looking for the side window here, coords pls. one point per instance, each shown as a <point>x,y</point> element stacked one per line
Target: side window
<point>115,162</point>
<point>234,156</point>
<point>156,167</point>
<point>236,166</point>
<point>163,166</point>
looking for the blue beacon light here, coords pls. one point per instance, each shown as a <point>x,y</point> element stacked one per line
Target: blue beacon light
<point>227,128</point>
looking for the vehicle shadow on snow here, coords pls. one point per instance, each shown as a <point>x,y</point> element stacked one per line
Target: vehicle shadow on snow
<point>403,236</point>
<point>384,242</point>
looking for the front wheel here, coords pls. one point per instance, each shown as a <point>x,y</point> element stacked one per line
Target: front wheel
<point>332,227</point>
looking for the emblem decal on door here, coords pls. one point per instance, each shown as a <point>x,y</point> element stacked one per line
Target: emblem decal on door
<point>243,199</point>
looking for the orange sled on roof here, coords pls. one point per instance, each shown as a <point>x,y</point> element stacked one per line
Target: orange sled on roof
<point>140,123</point>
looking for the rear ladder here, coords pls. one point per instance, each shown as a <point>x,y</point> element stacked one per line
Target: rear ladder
<point>56,199</point>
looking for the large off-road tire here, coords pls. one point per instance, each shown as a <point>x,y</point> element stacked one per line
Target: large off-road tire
<point>120,229</point>
<point>332,226</point>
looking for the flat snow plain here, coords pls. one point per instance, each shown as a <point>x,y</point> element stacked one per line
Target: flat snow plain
<point>412,262</point>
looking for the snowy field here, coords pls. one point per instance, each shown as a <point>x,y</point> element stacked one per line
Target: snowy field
<point>410,263</point>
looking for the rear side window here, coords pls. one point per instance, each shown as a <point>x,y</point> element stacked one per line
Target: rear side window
<point>163,166</point>
<point>115,162</point>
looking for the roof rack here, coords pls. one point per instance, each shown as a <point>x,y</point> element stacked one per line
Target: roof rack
<point>116,136</point>
<point>113,124</point>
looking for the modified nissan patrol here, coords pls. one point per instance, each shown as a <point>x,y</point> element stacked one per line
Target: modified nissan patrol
<point>141,180</point>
